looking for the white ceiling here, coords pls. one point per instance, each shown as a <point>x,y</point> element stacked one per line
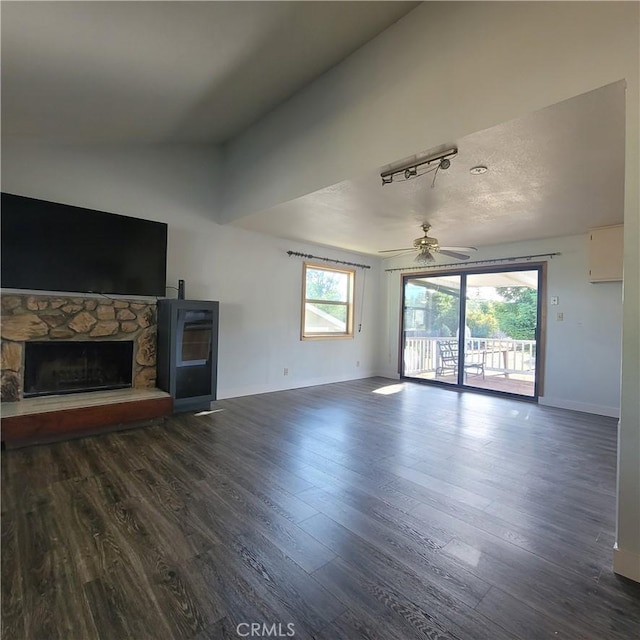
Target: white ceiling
<point>555,172</point>
<point>202,72</point>
<point>94,72</point>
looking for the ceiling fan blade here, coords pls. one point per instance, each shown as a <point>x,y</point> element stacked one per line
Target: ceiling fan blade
<point>398,255</point>
<point>454,254</point>
<point>463,249</point>
<point>392,250</point>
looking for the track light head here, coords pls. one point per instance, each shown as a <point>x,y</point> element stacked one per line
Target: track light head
<point>409,170</point>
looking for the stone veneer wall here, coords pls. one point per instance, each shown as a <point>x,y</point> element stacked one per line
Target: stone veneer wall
<point>45,317</point>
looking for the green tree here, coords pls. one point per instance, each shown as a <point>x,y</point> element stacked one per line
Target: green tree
<point>518,312</point>
<point>444,313</point>
<point>325,285</point>
<point>481,318</point>
<point>432,311</point>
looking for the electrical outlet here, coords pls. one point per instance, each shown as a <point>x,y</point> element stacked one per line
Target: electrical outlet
<point>560,316</point>
<point>286,371</point>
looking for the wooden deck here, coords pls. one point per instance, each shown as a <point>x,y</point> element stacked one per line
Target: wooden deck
<point>365,510</point>
<point>500,383</point>
<point>518,384</point>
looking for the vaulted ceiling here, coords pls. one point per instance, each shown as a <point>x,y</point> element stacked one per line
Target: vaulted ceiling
<point>200,73</point>
<point>109,72</point>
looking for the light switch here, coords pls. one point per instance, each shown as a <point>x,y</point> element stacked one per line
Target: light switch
<point>560,316</point>
<point>554,300</point>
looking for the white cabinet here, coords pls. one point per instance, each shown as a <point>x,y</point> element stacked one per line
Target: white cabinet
<point>605,253</point>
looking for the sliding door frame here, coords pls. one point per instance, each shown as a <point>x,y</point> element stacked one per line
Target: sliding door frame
<point>464,272</point>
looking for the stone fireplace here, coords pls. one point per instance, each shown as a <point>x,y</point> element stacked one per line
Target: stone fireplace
<point>79,331</point>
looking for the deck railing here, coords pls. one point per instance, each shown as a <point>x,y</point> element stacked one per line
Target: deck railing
<point>500,355</point>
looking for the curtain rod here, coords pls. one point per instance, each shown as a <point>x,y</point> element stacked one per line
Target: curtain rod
<point>488,261</point>
<point>308,255</point>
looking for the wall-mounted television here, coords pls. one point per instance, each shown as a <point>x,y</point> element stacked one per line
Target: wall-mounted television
<point>57,247</point>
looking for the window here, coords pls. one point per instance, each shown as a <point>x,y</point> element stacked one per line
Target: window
<point>327,302</point>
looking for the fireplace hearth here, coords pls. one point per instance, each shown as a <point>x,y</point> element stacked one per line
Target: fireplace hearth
<point>76,366</point>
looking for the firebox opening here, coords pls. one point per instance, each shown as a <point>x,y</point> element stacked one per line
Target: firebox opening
<point>71,367</point>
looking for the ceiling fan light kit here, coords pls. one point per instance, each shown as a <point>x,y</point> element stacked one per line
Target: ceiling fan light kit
<point>415,168</point>
<point>424,257</point>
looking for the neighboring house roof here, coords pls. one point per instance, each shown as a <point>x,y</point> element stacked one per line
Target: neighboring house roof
<point>323,317</point>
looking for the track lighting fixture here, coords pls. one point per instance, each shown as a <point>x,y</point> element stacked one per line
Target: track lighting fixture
<point>416,168</point>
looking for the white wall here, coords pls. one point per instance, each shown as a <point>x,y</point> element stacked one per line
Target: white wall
<point>260,290</point>
<point>583,352</point>
<point>258,285</point>
<point>141,181</point>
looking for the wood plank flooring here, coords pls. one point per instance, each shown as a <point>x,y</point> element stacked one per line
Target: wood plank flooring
<point>422,513</point>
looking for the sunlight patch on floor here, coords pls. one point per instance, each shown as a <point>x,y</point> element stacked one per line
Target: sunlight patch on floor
<point>389,389</point>
<point>207,412</point>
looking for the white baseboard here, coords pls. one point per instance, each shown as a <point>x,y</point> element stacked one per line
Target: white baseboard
<point>626,563</point>
<point>288,385</point>
<point>598,409</point>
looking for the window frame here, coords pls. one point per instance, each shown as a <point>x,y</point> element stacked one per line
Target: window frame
<point>349,304</point>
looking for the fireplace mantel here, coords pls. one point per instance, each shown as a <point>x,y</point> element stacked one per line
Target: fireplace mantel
<point>28,317</point>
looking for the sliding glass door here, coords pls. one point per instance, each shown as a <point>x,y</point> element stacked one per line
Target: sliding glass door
<point>431,322</point>
<point>497,348</point>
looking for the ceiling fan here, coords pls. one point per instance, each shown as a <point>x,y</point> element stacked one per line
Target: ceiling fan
<point>427,246</point>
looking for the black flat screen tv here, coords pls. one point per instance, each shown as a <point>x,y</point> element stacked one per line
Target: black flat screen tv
<point>56,247</point>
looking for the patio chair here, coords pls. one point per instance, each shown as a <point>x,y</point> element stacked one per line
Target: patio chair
<point>448,359</point>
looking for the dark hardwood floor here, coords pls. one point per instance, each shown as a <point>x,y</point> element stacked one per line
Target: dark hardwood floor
<point>335,512</point>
